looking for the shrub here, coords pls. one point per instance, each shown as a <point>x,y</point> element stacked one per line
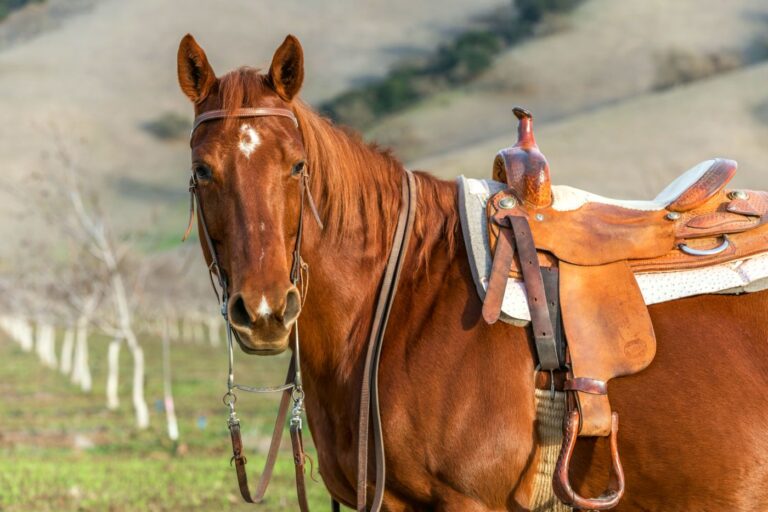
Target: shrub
<point>7,6</point>
<point>678,67</point>
<point>452,64</point>
<point>168,126</point>
<point>533,11</point>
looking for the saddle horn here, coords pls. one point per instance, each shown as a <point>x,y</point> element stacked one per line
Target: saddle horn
<point>523,167</point>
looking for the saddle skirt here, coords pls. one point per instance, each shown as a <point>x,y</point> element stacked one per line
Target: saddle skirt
<point>732,277</point>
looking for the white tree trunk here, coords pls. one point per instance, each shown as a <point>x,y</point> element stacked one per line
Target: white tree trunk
<point>173,328</point>
<point>101,243</point>
<point>170,409</point>
<point>81,371</point>
<point>113,369</point>
<point>139,404</point>
<point>186,330</point>
<point>19,330</point>
<point>214,330</point>
<point>45,344</point>
<point>198,331</point>
<point>124,313</point>
<point>67,347</point>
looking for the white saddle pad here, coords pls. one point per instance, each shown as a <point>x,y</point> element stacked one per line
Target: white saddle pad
<point>742,276</point>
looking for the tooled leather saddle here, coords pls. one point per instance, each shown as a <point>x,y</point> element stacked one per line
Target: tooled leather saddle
<point>578,264</point>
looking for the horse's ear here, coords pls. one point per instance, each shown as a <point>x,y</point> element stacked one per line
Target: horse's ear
<point>287,70</point>
<point>196,76</point>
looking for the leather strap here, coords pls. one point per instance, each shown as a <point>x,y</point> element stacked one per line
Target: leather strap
<point>586,385</point>
<point>243,112</point>
<point>239,459</point>
<point>541,322</point>
<point>298,465</point>
<point>369,394</point>
<point>497,284</point>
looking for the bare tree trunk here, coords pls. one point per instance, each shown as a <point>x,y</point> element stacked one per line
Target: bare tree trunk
<point>23,333</point>
<point>173,328</point>
<point>81,371</point>
<point>19,329</point>
<point>139,404</point>
<point>198,331</point>
<point>187,335</point>
<point>67,347</point>
<point>25,340</point>
<point>113,369</point>
<point>124,313</point>
<point>106,253</point>
<point>214,330</point>
<point>45,341</point>
<point>170,409</point>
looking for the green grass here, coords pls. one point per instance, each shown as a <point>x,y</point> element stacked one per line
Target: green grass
<point>42,414</point>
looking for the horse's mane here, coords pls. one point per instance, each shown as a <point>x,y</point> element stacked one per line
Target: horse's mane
<point>354,179</point>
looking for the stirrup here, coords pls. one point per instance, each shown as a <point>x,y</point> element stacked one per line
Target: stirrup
<point>561,483</point>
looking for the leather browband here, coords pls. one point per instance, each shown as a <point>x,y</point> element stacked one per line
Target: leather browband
<point>243,112</point>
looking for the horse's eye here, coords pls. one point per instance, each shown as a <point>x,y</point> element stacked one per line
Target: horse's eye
<point>297,168</point>
<point>202,171</point>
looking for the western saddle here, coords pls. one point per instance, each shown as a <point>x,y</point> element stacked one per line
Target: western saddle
<point>578,260</point>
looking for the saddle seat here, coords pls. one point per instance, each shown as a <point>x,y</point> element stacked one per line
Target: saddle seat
<point>689,191</point>
<point>577,254</point>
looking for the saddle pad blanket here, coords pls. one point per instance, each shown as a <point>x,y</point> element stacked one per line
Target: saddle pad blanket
<point>747,275</point>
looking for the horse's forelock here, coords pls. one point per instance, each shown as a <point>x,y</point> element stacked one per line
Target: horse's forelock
<point>242,87</point>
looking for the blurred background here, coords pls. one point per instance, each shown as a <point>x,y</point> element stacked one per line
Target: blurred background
<point>113,357</point>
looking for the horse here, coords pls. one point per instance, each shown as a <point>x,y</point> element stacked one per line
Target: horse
<point>456,394</point>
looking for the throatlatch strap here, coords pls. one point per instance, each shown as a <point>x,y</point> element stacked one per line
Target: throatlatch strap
<point>369,395</point>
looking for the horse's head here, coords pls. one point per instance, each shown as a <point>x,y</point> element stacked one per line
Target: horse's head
<point>247,172</point>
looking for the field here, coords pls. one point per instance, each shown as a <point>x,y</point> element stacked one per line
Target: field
<point>626,95</point>
<point>62,450</point>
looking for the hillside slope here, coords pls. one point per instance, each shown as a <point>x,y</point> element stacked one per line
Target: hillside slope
<point>634,148</point>
<point>604,52</point>
<point>97,77</point>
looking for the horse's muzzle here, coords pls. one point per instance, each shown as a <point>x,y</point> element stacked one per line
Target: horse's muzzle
<point>260,329</point>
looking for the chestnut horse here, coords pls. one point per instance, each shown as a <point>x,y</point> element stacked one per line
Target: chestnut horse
<point>457,395</point>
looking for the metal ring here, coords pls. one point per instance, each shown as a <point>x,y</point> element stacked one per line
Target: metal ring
<point>297,393</point>
<point>229,399</point>
<point>706,252</point>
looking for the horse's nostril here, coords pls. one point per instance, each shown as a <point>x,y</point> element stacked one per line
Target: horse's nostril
<point>238,314</point>
<point>292,306</point>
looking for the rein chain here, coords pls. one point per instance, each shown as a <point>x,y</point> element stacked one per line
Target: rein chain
<point>292,390</point>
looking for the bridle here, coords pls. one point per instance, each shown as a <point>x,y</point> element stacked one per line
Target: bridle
<point>292,390</point>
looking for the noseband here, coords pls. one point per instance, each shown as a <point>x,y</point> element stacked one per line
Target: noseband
<point>292,390</point>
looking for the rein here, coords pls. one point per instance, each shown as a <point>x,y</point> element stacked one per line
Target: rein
<point>292,390</point>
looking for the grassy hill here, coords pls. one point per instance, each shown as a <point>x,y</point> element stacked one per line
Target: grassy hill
<point>636,147</point>
<point>98,78</point>
<point>603,53</point>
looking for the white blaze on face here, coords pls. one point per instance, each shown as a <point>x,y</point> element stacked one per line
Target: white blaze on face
<point>264,309</point>
<point>249,140</point>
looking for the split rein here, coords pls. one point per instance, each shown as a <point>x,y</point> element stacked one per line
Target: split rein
<point>292,390</point>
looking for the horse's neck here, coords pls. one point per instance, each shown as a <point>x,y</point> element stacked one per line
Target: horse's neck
<point>345,278</point>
